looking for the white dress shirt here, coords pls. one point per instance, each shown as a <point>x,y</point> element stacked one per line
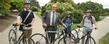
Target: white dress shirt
<point>52,18</point>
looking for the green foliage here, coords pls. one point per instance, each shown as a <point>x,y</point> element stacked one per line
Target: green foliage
<point>65,1</point>
<point>78,15</point>
<point>105,12</point>
<point>74,26</point>
<point>4,7</point>
<point>35,8</point>
<point>95,7</point>
<point>35,5</point>
<point>62,8</point>
<point>18,3</point>
<point>53,1</point>
<point>105,39</point>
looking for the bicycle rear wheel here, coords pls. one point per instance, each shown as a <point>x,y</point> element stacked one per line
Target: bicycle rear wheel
<point>90,41</point>
<point>12,37</point>
<point>67,40</point>
<point>39,38</point>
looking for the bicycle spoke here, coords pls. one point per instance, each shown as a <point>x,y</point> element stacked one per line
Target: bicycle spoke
<point>66,40</point>
<point>26,41</point>
<point>38,39</point>
<point>12,36</point>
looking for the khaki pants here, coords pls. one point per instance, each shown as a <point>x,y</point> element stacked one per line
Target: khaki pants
<point>27,34</point>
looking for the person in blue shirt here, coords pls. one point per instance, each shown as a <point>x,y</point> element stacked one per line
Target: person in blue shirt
<point>68,21</point>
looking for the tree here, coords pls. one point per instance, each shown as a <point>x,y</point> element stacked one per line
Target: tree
<point>62,8</point>
<point>18,4</point>
<point>65,1</point>
<point>63,5</point>
<point>95,7</point>
<point>105,12</point>
<point>35,5</point>
<point>77,16</point>
<point>4,7</point>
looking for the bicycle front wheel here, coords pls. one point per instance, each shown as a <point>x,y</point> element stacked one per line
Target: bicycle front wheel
<point>67,40</point>
<point>26,41</point>
<point>90,41</point>
<point>39,38</point>
<point>12,37</point>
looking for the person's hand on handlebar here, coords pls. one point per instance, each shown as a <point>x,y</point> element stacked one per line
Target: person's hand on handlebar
<point>64,25</point>
<point>95,28</point>
<point>17,24</point>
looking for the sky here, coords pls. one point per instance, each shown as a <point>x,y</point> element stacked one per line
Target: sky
<point>105,3</point>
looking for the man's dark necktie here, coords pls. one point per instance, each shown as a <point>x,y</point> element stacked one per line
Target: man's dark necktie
<point>53,19</point>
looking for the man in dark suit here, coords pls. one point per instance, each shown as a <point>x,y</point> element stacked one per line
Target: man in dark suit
<point>50,21</point>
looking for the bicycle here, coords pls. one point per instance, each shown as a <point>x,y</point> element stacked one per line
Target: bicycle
<point>14,39</point>
<point>45,39</point>
<point>60,36</point>
<point>39,38</point>
<point>12,35</point>
<point>68,38</point>
<point>88,39</point>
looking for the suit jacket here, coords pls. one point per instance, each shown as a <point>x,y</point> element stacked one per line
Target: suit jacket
<point>46,18</point>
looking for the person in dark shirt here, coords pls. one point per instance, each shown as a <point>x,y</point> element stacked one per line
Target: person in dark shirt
<point>28,22</point>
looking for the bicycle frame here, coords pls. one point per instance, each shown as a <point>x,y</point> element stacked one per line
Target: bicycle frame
<point>88,35</point>
<point>62,33</point>
<point>21,36</point>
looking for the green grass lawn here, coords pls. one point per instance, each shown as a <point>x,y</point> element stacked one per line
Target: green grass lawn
<point>75,26</point>
<point>105,39</point>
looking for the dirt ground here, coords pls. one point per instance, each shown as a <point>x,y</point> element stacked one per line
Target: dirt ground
<point>5,21</point>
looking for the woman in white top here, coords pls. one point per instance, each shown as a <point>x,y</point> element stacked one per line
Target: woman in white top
<point>88,22</point>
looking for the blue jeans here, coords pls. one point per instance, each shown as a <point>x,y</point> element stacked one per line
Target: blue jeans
<point>69,29</point>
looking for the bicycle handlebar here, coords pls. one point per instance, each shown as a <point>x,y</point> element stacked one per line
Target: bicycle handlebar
<point>52,31</point>
<point>85,27</point>
<point>15,24</point>
<point>89,28</point>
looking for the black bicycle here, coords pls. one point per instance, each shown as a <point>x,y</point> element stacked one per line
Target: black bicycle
<point>13,37</point>
<point>68,38</point>
<point>86,39</point>
<point>23,40</point>
<point>39,38</point>
<point>62,37</point>
<point>44,39</point>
